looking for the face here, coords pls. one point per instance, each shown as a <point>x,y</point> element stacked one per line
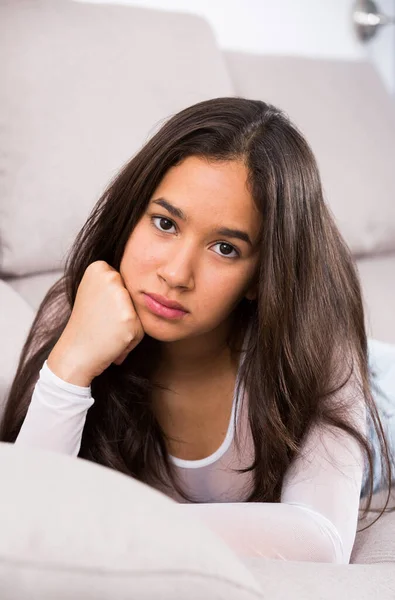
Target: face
<point>178,251</point>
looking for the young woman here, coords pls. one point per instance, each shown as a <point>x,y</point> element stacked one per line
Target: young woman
<point>208,338</point>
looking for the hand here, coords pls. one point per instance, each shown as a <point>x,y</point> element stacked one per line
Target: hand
<point>102,329</point>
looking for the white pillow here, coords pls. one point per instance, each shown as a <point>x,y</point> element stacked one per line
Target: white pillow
<point>73,529</point>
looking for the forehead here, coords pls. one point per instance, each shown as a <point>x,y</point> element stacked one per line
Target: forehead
<point>213,192</point>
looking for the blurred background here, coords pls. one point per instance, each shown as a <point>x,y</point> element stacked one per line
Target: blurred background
<point>85,84</point>
<point>318,29</point>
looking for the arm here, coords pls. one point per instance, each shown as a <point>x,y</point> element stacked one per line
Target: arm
<point>317,517</point>
<point>102,329</point>
<point>56,416</point>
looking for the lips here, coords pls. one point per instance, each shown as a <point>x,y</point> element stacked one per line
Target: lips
<point>167,302</point>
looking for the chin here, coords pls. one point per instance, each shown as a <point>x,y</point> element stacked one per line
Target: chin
<point>160,329</point>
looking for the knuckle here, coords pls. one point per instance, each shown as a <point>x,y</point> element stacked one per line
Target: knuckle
<point>130,337</point>
<point>97,265</point>
<point>96,268</point>
<point>128,320</point>
<point>111,275</point>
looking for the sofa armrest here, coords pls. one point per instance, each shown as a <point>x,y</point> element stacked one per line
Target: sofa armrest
<point>16,318</point>
<point>71,528</point>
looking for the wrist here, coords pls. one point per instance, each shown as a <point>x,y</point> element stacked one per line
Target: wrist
<point>69,369</point>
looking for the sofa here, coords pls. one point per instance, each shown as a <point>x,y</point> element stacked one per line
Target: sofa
<point>84,85</point>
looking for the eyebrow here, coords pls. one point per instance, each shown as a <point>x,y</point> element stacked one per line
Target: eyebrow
<point>227,231</point>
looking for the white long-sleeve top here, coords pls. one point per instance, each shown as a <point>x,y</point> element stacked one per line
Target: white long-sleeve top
<point>316,519</point>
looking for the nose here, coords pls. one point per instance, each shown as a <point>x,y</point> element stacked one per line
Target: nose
<point>178,266</point>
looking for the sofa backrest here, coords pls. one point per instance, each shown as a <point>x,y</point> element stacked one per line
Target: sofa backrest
<point>348,118</point>
<point>83,87</point>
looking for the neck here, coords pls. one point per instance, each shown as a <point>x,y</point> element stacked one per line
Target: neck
<point>199,356</point>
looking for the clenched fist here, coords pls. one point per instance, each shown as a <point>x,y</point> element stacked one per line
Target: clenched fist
<point>102,329</point>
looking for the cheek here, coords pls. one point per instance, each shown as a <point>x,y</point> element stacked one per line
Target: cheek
<point>222,289</point>
<point>141,251</point>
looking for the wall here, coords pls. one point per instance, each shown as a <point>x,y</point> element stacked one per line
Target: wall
<point>381,51</point>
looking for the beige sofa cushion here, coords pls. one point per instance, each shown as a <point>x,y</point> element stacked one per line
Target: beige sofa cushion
<point>83,87</point>
<point>321,581</point>
<point>34,287</point>
<point>348,118</point>
<point>16,317</point>
<point>73,529</point>
<point>377,274</point>
<point>376,544</point>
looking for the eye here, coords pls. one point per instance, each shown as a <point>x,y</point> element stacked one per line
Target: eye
<point>227,248</point>
<point>162,219</point>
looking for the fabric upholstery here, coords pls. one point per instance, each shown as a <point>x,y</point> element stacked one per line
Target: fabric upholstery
<point>377,275</point>
<point>16,317</point>
<point>33,287</point>
<point>376,543</point>
<point>74,529</point>
<point>80,94</point>
<point>119,538</point>
<point>306,581</point>
<point>348,118</point>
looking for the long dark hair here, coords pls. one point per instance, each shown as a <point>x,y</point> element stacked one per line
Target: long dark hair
<point>307,323</point>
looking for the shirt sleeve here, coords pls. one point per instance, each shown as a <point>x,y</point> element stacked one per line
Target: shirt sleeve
<point>56,415</point>
<point>317,517</point>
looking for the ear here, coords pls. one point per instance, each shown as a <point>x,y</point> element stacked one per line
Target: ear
<point>251,293</point>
